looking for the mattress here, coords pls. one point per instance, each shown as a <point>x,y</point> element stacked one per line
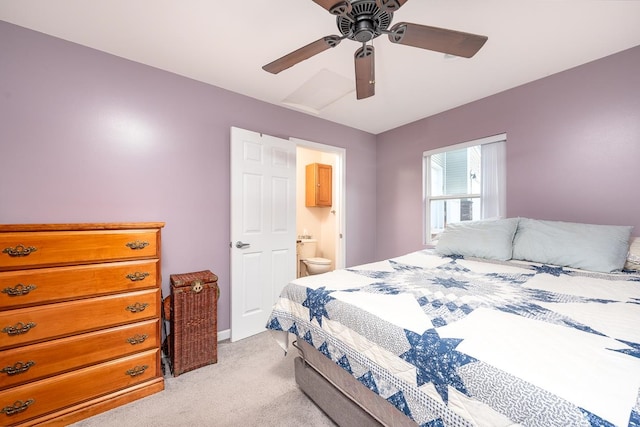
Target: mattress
<point>452,341</point>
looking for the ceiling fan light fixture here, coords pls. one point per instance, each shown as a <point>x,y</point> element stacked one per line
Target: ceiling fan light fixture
<point>365,22</point>
<point>364,31</point>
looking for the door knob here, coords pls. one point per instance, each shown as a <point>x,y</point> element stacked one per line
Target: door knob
<point>241,245</point>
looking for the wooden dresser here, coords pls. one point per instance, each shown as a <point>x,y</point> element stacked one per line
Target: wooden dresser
<point>79,319</point>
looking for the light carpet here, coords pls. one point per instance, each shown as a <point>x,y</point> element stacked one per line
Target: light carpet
<point>251,385</point>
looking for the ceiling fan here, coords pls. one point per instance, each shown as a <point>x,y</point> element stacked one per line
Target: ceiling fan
<point>363,21</point>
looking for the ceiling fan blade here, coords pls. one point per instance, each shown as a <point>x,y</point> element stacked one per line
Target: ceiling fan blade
<point>439,39</point>
<point>335,7</point>
<point>390,5</point>
<point>301,54</point>
<point>365,72</point>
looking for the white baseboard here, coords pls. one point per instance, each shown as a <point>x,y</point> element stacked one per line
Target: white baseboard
<point>224,335</point>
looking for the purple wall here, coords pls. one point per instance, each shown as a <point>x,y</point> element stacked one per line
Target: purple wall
<point>573,151</point>
<point>89,137</point>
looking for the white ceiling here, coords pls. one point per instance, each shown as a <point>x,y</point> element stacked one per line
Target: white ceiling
<point>225,43</point>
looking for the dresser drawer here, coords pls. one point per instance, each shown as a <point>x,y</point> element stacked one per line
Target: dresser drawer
<point>36,361</point>
<point>45,285</point>
<point>48,248</point>
<point>41,397</point>
<point>28,325</point>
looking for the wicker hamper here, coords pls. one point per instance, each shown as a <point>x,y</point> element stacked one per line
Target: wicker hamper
<point>193,308</point>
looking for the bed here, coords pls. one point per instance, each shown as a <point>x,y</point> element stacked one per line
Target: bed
<point>505,322</point>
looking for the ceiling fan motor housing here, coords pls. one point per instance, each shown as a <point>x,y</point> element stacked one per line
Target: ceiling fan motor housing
<point>364,22</point>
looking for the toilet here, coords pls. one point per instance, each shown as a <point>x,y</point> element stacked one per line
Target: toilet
<point>306,249</point>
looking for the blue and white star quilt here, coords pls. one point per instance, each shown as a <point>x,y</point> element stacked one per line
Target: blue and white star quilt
<point>451,341</point>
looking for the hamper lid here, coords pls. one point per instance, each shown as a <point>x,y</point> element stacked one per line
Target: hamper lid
<point>186,279</point>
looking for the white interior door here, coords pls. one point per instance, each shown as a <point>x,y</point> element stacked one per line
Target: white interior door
<point>263,227</point>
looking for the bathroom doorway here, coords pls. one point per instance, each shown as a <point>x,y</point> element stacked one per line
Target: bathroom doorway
<point>325,225</point>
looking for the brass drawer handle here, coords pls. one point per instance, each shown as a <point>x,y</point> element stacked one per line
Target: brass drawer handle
<point>138,370</point>
<point>19,250</point>
<point>19,290</point>
<point>137,245</point>
<point>137,339</point>
<point>137,276</point>
<point>18,329</point>
<point>137,307</point>
<point>17,368</point>
<point>17,407</point>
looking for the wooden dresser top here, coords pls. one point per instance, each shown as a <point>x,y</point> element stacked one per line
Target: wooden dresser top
<point>4,228</point>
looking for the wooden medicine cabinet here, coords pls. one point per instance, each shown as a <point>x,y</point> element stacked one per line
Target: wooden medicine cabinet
<point>318,185</point>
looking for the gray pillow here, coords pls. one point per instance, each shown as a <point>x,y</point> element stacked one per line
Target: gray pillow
<point>491,239</point>
<point>592,247</point>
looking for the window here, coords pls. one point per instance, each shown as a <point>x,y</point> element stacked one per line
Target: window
<point>464,182</point>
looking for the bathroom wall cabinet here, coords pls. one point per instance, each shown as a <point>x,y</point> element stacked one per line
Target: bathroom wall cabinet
<point>318,185</point>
